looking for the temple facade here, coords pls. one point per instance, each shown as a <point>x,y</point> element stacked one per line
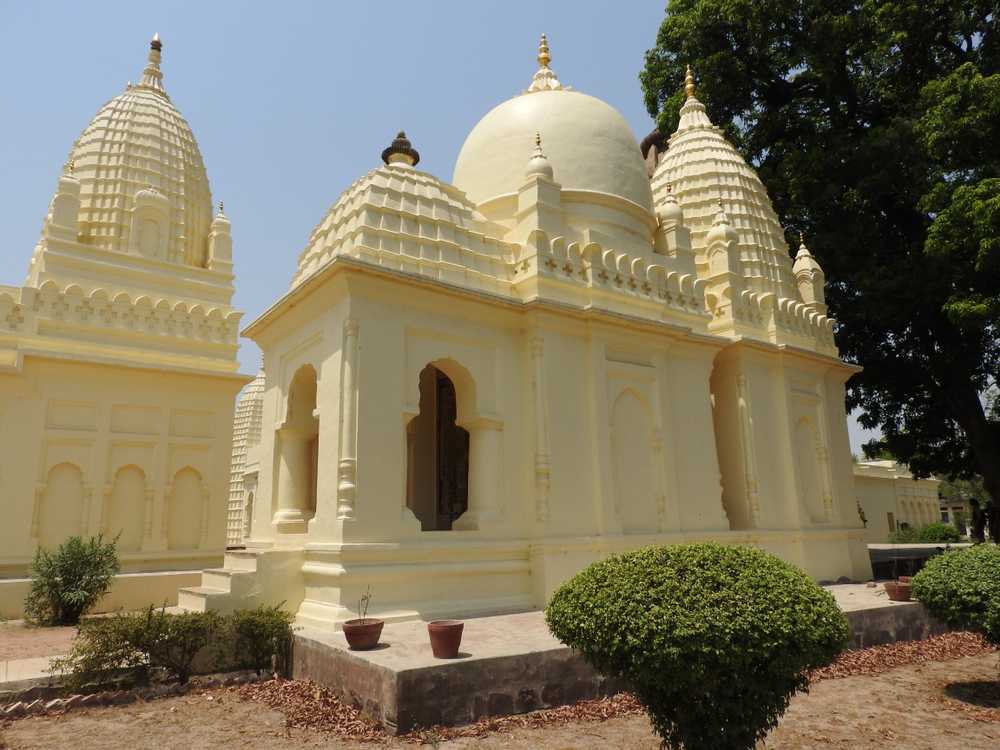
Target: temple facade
<point>118,365</point>
<point>472,389</point>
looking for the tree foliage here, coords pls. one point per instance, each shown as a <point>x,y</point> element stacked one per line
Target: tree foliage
<point>874,124</point>
<point>713,640</point>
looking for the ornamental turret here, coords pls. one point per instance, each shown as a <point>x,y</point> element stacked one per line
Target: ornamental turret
<point>809,278</point>
<point>220,243</point>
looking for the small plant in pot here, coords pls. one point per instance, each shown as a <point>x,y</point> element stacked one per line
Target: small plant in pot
<point>363,633</point>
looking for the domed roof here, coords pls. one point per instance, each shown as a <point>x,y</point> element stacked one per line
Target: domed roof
<point>588,143</point>
<point>701,168</point>
<point>137,141</point>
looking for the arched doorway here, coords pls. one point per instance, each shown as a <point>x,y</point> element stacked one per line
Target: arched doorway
<point>437,470</point>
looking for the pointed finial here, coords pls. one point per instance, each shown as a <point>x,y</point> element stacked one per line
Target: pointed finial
<point>221,207</point>
<point>71,167</point>
<point>689,83</point>
<point>538,141</point>
<point>544,58</point>
<point>544,78</point>
<point>152,78</point>
<point>155,43</point>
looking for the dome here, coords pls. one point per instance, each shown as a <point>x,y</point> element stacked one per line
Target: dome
<point>138,141</point>
<point>701,168</point>
<point>588,143</point>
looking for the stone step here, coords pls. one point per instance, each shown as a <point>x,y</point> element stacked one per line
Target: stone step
<point>196,598</point>
<point>241,560</point>
<point>231,581</point>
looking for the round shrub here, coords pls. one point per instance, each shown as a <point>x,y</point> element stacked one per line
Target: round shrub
<point>713,640</point>
<point>962,588</point>
<point>939,532</point>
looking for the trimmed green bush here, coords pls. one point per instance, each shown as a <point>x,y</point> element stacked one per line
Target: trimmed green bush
<point>67,582</point>
<point>105,651</point>
<point>962,588</point>
<point>253,638</point>
<point>939,532</point>
<point>713,640</point>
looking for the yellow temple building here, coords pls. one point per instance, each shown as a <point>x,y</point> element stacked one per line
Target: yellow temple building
<point>118,365</point>
<point>472,389</point>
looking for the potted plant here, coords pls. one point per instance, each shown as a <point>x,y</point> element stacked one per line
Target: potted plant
<point>363,632</point>
<point>899,590</point>
<point>446,637</point>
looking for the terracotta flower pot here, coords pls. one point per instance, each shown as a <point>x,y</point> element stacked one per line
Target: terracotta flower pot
<point>898,591</point>
<point>905,579</point>
<point>363,635</point>
<point>446,637</point>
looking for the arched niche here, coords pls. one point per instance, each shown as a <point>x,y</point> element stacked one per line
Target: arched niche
<point>61,512</point>
<point>437,466</point>
<point>126,508</point>
<point>185,508</point>
<point>297,443</point>
<point>633,463</point>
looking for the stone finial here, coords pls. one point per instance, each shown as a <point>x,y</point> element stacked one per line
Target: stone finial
<point>152,77</point>
<point>221,208</point>
<point>544,78</point>
<point>401,151</point>
<point>539,164</point>
<point>689,83</point>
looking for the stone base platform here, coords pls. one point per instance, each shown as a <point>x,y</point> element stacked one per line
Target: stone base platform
<point>512,664</point>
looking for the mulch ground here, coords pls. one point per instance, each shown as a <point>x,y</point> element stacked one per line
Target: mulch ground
<point>306,705</point>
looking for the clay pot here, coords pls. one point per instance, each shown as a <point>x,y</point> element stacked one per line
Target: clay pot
<point>446,637</point>
<point>905,579</point>
<point>363,635</point>
<point>898,591</point>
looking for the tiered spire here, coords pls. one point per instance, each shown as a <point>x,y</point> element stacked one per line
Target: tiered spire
<point>152,77</point>
<point>544,78</point>
<point>689,83</point>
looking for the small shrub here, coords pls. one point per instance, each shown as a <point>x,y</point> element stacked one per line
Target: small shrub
<point>173,641</point>
<point>904,535</point>
<point>252,638</point>
<point>939,532</point>
<point>962,588</point>
<point>104,651</point>
<point>713,640</point>
<point>66,583</point>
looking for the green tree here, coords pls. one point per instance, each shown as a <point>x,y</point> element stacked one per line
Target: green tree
<point>874,124</point>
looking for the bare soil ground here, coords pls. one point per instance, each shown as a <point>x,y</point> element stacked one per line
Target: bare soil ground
<point>914,707</point>
<point>18,641</point>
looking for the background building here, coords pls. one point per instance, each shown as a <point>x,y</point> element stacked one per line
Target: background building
<point>890,497</point>
<point>118,358</point>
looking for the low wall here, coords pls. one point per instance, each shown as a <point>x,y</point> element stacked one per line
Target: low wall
<point>129,591</point>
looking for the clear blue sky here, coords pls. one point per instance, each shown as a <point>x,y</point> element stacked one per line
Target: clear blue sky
<point>292,101</point>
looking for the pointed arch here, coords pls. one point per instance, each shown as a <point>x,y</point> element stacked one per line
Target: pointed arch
<point>125,508</point>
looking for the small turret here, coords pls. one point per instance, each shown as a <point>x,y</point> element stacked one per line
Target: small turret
<point>63,220</point>
<point>539,164</point>
<point>220,243</point>
<point>809,278</point>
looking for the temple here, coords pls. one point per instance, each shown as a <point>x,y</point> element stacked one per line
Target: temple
<point>118,362</point>
<point>472,389</point>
